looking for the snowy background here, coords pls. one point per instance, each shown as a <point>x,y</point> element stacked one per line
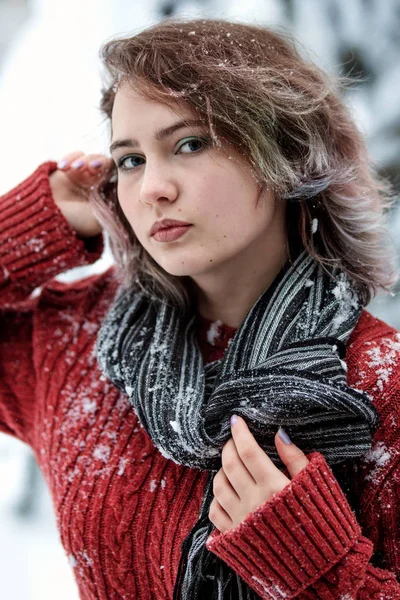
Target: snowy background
<point>50,79</point>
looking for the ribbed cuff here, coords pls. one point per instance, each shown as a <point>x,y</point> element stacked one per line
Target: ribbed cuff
<point>292,540</point>
<point>36,240</point>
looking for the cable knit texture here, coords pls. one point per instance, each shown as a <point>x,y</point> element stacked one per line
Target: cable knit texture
<point>123,509</point>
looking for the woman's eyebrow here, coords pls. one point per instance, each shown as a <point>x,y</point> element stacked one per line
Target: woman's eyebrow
<point>160,135</point>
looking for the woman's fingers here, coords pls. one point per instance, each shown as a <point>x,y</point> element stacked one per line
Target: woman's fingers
<point>95,162</point>
<point>235,470</point>
<point>66,160</point>
<point>219,517</point>
<point>85,170</point>
<point>224,492</point>
<point>79,160</point>
<point>256,461</point>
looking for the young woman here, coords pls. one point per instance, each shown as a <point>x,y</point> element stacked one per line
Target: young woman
<point>217,415</point>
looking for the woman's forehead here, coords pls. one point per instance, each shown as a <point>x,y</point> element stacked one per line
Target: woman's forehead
<point>133,109</point>
<point>149,100</point>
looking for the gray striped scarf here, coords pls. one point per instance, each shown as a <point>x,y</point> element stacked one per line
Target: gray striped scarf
<point>284,367</point>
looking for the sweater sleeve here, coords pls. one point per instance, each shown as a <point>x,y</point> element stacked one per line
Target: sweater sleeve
<point>36,243</point>
<point>306,543</point>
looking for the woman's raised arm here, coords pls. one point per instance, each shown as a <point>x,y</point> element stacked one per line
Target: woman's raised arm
<point>47,226</point>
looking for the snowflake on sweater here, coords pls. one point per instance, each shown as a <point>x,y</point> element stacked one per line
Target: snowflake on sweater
<point>383,357</point>
<point>273,591</point>
<point>378,456</point>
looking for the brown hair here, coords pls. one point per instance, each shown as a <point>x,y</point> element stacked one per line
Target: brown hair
<point>285,117</point>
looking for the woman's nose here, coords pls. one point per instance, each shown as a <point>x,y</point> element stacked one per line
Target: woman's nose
<point>157,184</point>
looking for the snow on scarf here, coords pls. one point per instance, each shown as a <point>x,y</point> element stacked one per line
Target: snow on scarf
<point>283,367</point>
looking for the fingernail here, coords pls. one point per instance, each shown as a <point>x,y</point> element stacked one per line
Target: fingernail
<point>234,418</point>
<point>77,164</point>
<point>96,163</point>
<point>284,436</point>
<point>62,164</point>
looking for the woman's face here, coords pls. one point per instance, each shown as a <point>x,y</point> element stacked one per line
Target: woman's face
<point>181,175</point>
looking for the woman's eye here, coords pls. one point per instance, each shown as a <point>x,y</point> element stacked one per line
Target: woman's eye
<point>192,145</point>
<point>187,146</point>
<point>124,165</point>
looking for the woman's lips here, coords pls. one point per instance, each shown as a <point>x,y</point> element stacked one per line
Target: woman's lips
<point>171,233</point>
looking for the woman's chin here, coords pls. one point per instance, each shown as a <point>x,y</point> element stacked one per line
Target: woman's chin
<point>177,271</point>
<point>184,268</point>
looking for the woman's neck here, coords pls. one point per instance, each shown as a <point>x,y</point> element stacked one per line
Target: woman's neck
<point>230,299</point>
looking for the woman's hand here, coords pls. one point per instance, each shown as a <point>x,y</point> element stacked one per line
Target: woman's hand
<point>248,477</point>
<point>70,184</point>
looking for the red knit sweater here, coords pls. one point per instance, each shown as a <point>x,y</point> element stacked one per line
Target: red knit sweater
<point>123,509</point>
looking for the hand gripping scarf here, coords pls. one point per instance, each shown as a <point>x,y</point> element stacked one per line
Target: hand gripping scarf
<point>284,367</point>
